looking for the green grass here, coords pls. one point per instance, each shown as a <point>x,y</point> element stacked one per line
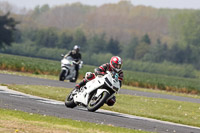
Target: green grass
<point>138,79</point>
<point>43,76</point>
<point>58,93</point>
<point>160,91</point>
<point>163,82</point>
<point>54,77</point>
<point>20,122</point>
<point>34,65</point>
<point>162,109</point>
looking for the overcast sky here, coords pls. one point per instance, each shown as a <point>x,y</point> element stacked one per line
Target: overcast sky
<point>189,4</point>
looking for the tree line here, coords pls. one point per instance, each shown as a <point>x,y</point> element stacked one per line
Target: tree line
<point>50,42</point>
<point>137,49</point>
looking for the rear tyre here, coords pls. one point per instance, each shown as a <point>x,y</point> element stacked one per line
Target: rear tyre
<point>69,101</point>
<point>72,80</point>
<point>96,102</point>
<point>75,78</point>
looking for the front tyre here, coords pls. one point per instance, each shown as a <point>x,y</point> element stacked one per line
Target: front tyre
<point>62,75</point>
<point>96,102</point>
<point>69,101</point>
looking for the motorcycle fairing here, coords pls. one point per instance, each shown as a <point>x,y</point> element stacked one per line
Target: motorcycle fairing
<point>68,66</point>
<point>87,89</point>
<point>92,85</point>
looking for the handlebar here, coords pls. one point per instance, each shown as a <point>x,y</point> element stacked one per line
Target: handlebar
<point>114,75</point>
<point>78,62</point>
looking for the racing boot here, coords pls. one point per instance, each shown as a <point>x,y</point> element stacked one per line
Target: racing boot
<point>111,101</point>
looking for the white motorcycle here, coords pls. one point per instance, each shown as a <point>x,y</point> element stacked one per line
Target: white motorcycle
<point>95,93</point>
<point>68,71</point>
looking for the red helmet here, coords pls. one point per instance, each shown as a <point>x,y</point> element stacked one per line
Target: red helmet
<point>116,63</point>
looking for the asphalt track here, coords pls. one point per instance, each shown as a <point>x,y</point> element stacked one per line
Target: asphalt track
<point>19,101</point>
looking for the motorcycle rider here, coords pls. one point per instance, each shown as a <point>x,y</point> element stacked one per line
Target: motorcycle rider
<point>114,66</point>
<point>76,56</point>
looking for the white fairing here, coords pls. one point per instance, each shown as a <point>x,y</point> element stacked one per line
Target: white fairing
<point>67,61</point>
<point>67,64</point>
<point>97,83</point>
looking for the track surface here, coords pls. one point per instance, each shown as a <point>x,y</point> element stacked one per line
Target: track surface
<point>14,79</point>
<point>15,100</point>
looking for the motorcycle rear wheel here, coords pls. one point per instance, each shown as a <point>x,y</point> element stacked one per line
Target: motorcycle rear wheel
<point>96,103</point>
<point>69,101</point>
<point>75,78</point>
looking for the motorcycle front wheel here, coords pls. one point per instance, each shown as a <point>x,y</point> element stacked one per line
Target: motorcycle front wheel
<point>62,75</point>
<point>69,101</point>
<point>96,102</point>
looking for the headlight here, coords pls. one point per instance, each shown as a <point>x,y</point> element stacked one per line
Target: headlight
<point>115,88</point>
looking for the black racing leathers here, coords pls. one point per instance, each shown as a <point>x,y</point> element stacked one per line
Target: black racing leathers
<point>77,57</point>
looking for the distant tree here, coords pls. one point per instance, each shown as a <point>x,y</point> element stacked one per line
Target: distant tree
<point>80,39</point>
<point>141,50</point>
<point>176,54</point>
<point>185,28</point>
<point>47,38</point>
<point>143,47</point>
<point>146,39</point>
<point>189,58</point>
<point>7,28</point>
<point>113,47</point>
<point>158,53</point>
<point>158,41</point>
<point>38,10</point>
<point>129,50</point>
<point>30,34</point>
<point>44,8</point>
<point>65,41</point>
<point>97,44</point>
<point>17,36</point>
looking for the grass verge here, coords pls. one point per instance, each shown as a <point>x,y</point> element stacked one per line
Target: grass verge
<point>33,123</point>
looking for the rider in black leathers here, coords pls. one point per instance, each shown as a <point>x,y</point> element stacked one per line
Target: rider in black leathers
<point>76,56</point>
